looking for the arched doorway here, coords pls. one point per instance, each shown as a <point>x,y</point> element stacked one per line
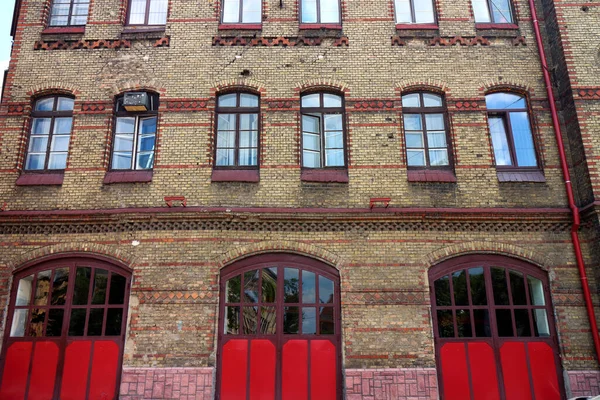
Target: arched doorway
<point>279,330</point>
<point>494,330</point>
<point>65,330</point>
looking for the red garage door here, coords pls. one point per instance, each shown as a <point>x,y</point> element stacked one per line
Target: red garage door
<point>279,331</point>
<point>494,331</point>
<point>66,328</point>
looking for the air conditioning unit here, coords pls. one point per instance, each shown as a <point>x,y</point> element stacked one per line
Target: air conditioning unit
<point>136,101</point>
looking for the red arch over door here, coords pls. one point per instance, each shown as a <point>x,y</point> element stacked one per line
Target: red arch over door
<point>279,330</point>
<point>494,330</point>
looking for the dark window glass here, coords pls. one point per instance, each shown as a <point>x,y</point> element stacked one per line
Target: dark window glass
<point>322,131</point>
<point>442,292</point>
<point>326,321</point>
<point>36,325</point>
<point>269,285</point>
<point>325,290</point>
<point>232,320</point>
<point>250,320</point>
<point>95,322</point>
<point>291,320</point>
<point>445,323</point>
<point>100,282</point>
<point>517,287</point>
<point>478,292</point>
<point>251,286</point>
<point>55,322</point>
<point>82,285</point>
<point>148,12</point>
<point>77,322</point>
<point>69,12</point>
<point>291,285</point>
<point>233,289</point>
<point>522,323</point>
<point>117,289</point>
<point>499,286</point>
<point>463,323</point>
<point>504,322</point>
<point>42,288</point>
<point>268,318</point>
<point>309,320</point>
<point>482,323</point>
<point>60,283</point>
<point>114,321</point>
<point>320,11</point>
<point>308,287</point>
<point>459,282</point>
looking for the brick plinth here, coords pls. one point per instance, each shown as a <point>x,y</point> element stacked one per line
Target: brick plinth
<point>584,383</point>
<point>388,384</point>
<point>167,383</point>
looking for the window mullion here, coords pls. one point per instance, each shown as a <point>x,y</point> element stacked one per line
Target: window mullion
<point>147,16</point>
<point>135,141</point>
<point>319,21</point>
<point>322,139</point>
<point>48,145</point>
<point>425,141</point>
<point>241,16</point>
<point>236,150</point>
<point>510,139</point>
<point>491,11</point>
<point>413,16</point>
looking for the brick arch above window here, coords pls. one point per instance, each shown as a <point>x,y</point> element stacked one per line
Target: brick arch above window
<point>51,88</point>
<point>137,86</point>
<point>429,85</point>
<point>238,85</point>
<point>322,85</point>
<point>512,85</point>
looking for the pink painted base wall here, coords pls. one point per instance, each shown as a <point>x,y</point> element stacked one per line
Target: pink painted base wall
<point>167,383</point>
<point>391,384</point>
<point>584,383</point>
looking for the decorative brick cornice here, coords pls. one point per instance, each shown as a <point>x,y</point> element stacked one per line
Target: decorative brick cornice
<point>96,44</point>
<point>397,41</point>
<point>467,104</point>
<point>588,92</point>
<point>372,105</point>
<point>16,108</point>
<point>519,41</point>
<point>273,41</point>
<point>184,105</point>
<point>283,104</point>
<point>459,41</point>
<point>95,107</point>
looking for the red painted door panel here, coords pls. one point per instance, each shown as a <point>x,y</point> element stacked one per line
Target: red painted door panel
<point>455,376</point>
<point>16,369</point>
<point>105,364</point>
<point>294,370</point>
<point>43,371</point>
<point>75,370</point>
<point>262,370</point>
<point>234,370</point>
<point>543,371</point>
<point>484,379</point>
<point>323,383</point>
<point>515,371</point>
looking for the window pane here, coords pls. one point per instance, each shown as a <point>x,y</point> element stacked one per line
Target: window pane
<point>42,288</point>
<point>522,322</point>
<point>311,100</point>
<point>424,15</point>
<point>225,139</point>
<point>233,289</point>
<point>333,122</point>
<point>442,291</point>
<point>434,122</point>
<point>45,104</point>
<point>411,100</point>
<point>78,20</point>
<point>147,126</point>
<point>499,286</point>
<point>311,159</point>
<point>291,320</point>
<point>403,15</point>
<point>332,100</point>
<point>504,322</point>
<point>248,157</point>
<point>249,139</point>
<point>57,20</point>
<point>540,323</point>
<point>481,11</point>
<point>158,12</point>
<point>17,329</point>
<point>459,282</point>
<point>504,101</point>
<point>478,292</point>
<point>482,323</point>
<point>430,99</point>
<point>436,139</point>
<point>95,322</point>
<point>60,143</point>
<point>117,289</point>
<point>499,141</point>
<point>77,322</point>
<point>334,158</point>
<point>326,321</point>
<point>250,319</point>
<point>311,142</point>
<point>445,323</point>
<point>311,124</point>
<point>62,126</point>
<point>226,122</point>
<point>252,11</point>
<point>325,290</point>
<point>268,320</point>
<point>232,320</point>
<point>269,285</point>
<point>137,13</point>
<point>60,283</point>
<point>38,144</point>
<point>55,322</point>
<point>65,103</point>
<point>24,291</point>
<point>35,161</point>
<point>121,161</point>
<point>123,143</point>
<point>146,143</point>
<point>334,140</point>
<point>536,291</point>
<point>248,122</point>
<point>145,161</point>
<point>414,140</point>
<point>438,158</point>
<point>114,319</point>
<point>501,11</point>
<point>82,285</point>
<point>249,100</point>
<point>251,286</point>
<point>57,161</point>
<point>41,126</point>
<point>330,11</point>
<point>308,287</point>
<point>415,158</point>
<point>231,14</point>
<point>100,282</point>
<point>523,139</point>
<point>36,325</point>
<point>412,122</point>
<point>517,287</point>
<point>309,320</point>
<point>225,157</point>
<point>228,100</point>
<point>463,323</point>
<point>290,285</point>
<point>309,15</point>
<point>125,125</point>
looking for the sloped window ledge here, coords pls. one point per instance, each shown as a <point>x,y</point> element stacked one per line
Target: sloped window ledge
<point>47,179</point>
<point>321,26</point>
<point>325,175</point>
<point>497,26</point>
<point>127,177</point>
<point>431,176</point>
<point>64,30</point>
<point>255,27</point>
<point>423,27</point>
<point>235,175</point>
<point>521,176</point>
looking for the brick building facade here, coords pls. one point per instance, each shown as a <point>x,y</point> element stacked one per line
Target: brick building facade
<point>393,177</point>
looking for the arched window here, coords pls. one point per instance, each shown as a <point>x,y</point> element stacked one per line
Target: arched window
<point>66,318</point>
<point>414,11</point>
<point>51,125</point>
<point>510,129</point>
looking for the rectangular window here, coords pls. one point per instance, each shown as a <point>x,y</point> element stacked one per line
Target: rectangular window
<point>320,12</point>
<point>323,131</point>
<point>414,12</point>
<point>242,11</point>
<point>148,12</point>
<point>69,12</point>
<point>492,11</point>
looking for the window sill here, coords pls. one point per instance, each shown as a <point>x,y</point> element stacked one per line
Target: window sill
<point>64,30</point>
<point>431,176</point>
<point>321,26</point>
<point>521,176</point>
<point>127,177</point>
<point>325,175</point>
<point>423,27</point>
<point>235,175</point>
<point>41,179</point>
<point>497,26</point>
<point>143,29</point>
<point>256,27</point>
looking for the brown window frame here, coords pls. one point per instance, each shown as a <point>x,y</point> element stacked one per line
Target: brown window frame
<point>238,110</point>
<point>492,19</point>
<point>504,115</point>
<point>52,115</point>
<point>69,16</point>
<point>318,22</point>
<point>241,16</point>
<point>324,111</point>
<point>422,111</point>
<point>146,15</point>
<point>153,112</point>
<point>413,16</point>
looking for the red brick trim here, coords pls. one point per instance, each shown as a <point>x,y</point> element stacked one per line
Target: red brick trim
<point>521,176</point>
<point>127,177</point>
<point>67,30</point>
<point>235,175</point>
<point>256,27</point>
<point>265,41</point>
<point>417,27</point>
<point>497,26</point>
<point>459,40</point>
<point>41,179</point>
<point>321,26</point>
<point>325,175</point>
<point>431,176</point>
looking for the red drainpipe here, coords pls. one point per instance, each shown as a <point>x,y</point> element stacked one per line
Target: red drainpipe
<point>567,176</point>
